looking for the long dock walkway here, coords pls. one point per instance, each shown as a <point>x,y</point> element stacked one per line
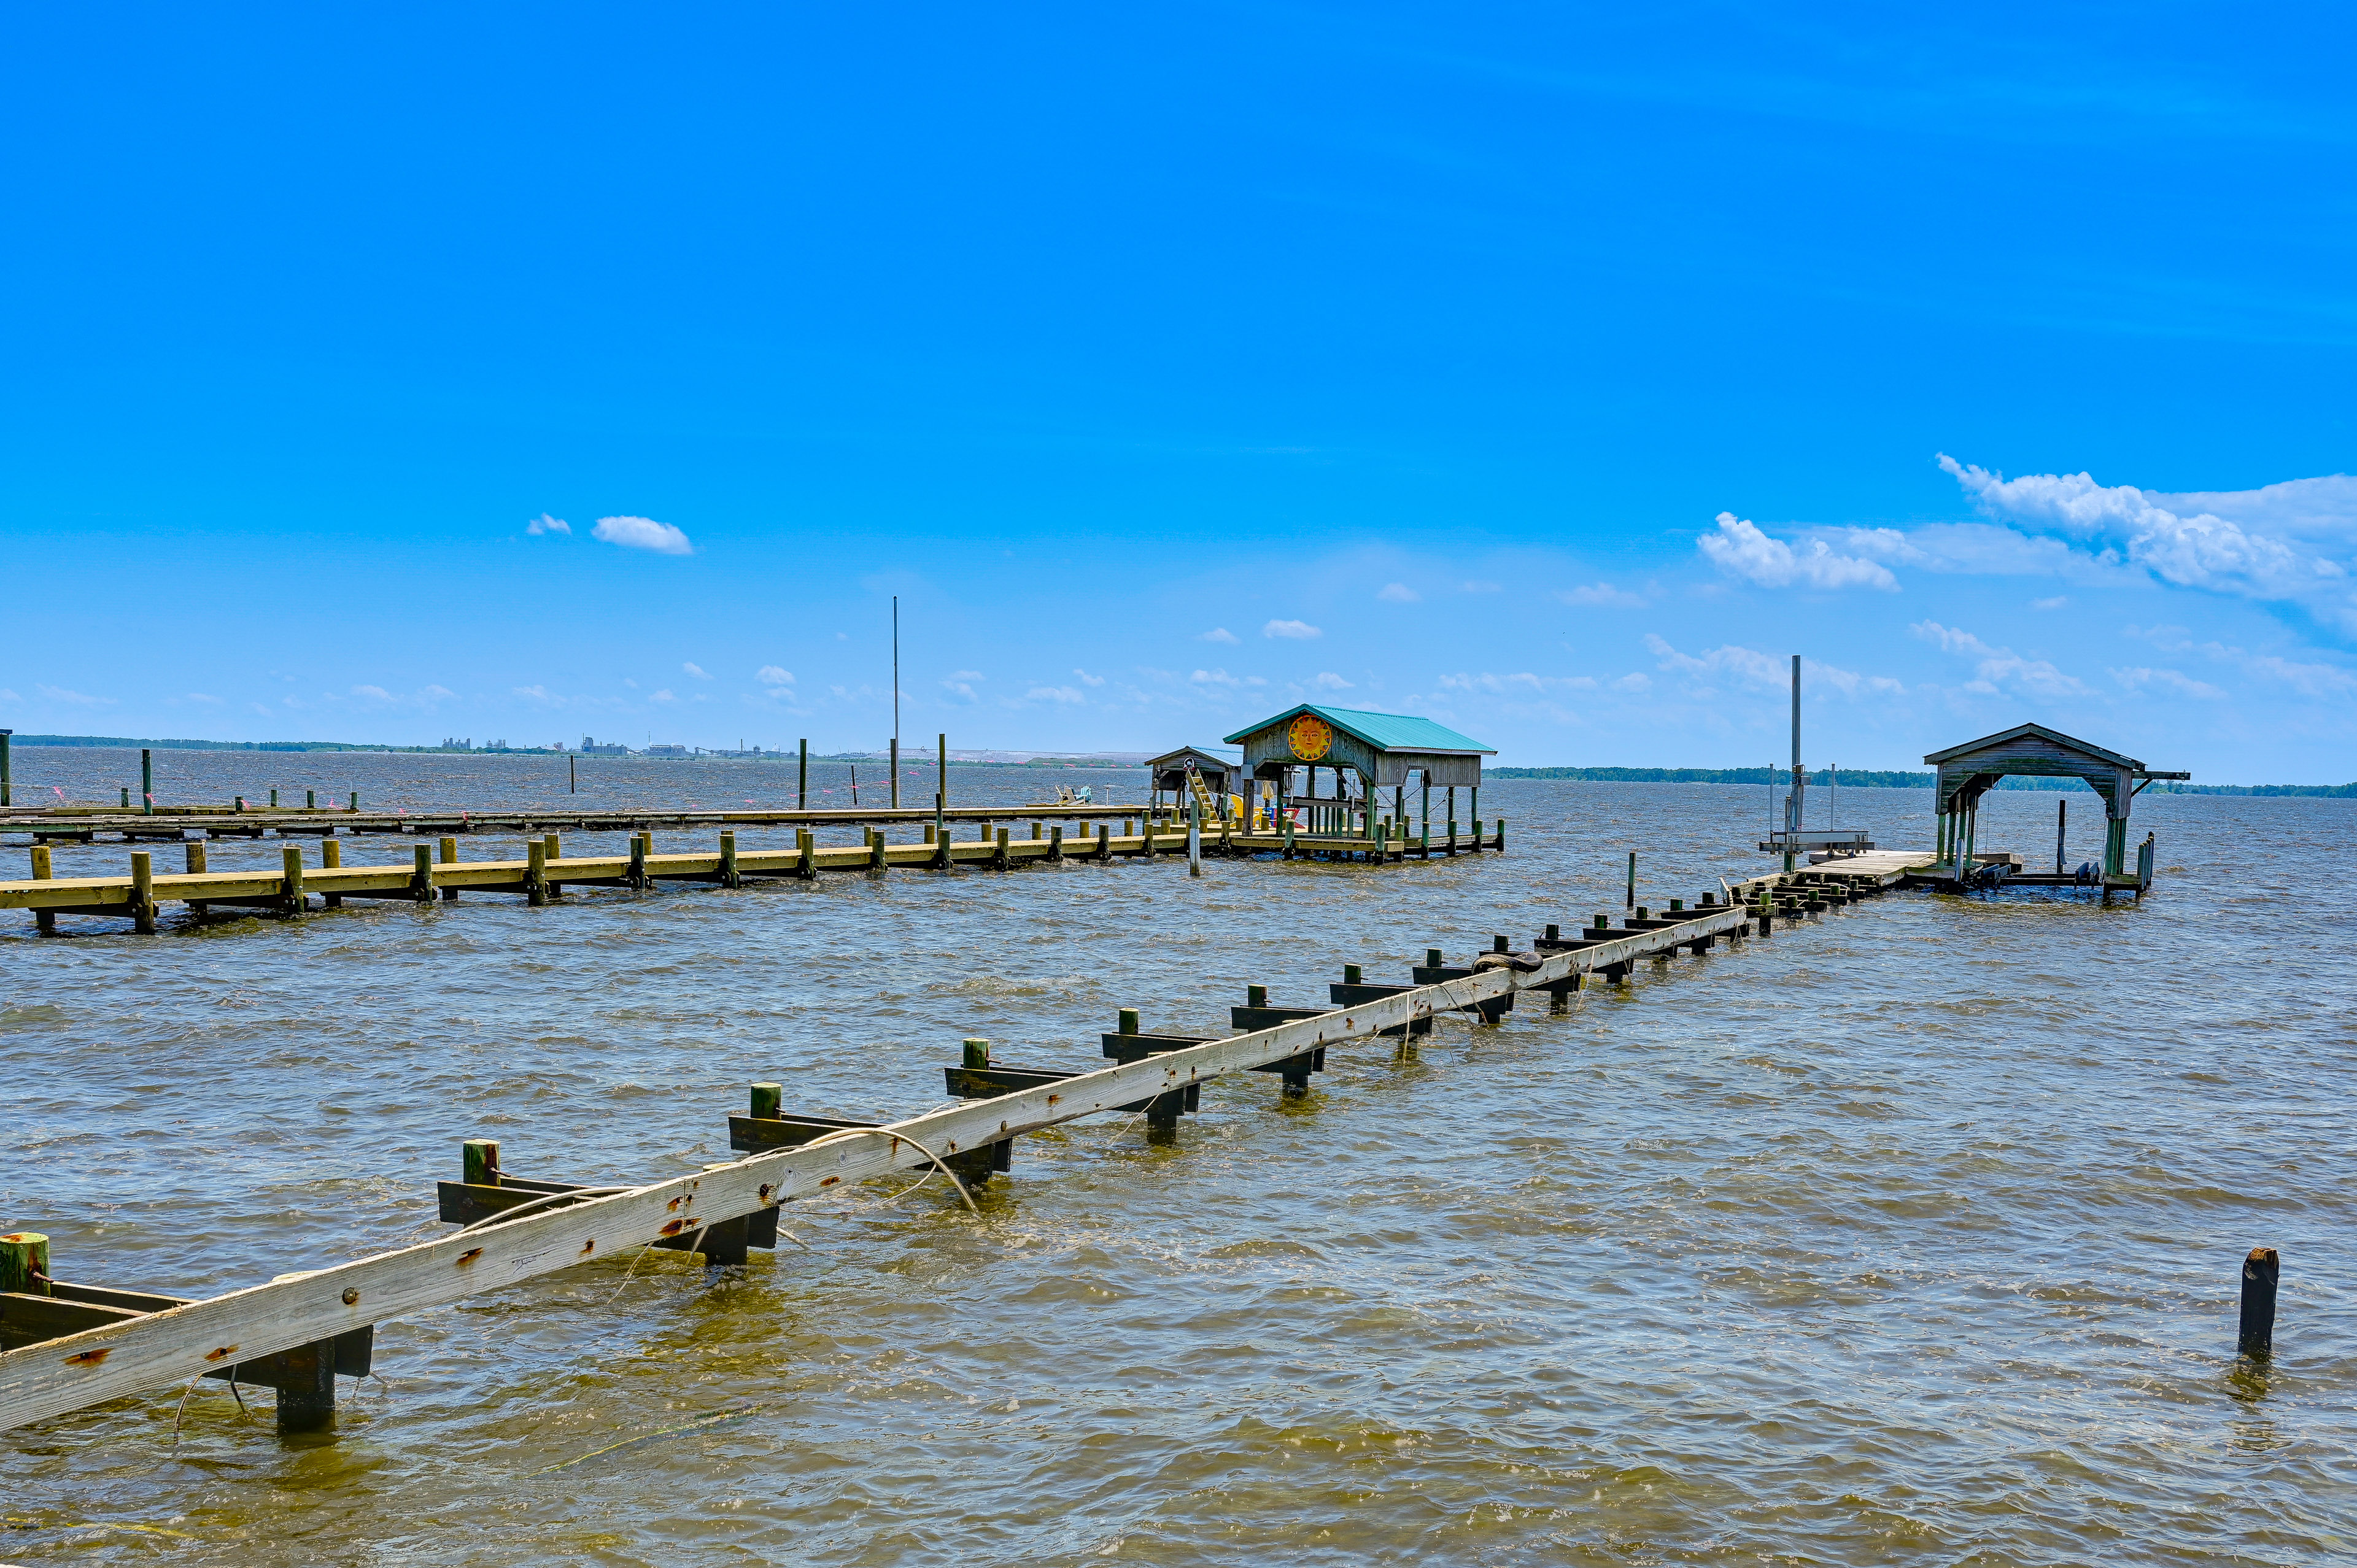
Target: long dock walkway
<point>546,871</point>
<point>69,1346</point>
<point>172,823</point>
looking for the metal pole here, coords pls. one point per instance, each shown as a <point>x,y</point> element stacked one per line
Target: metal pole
<point>1792,818</point>
<point>895,702</point>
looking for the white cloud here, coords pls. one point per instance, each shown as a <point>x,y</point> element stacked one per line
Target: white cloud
<point>2001,667</point>
<point>544,523</point>
<point>1765,671</point>
<point>772,675</point>
<point>1741,550</point>
<point>1602,596</point>
<point>2284,541</point>
<point>2141,677</point>
<point>1218,633</point>
<point>642,533</point>
<point>436,694</point>
<point>1087,679</point>
<point>2056,603</point>
<point>1636,682</point>
<point>1477,586</point>
<point>663,696</point>
<point>696,670</point>
<point>1326,681</point>
<point>1398,594</point>
<point>193,696</point>
<point>1522,681</point>
<point>960,683</point>
<point>62,694</point>
<point>968,675</point>
<point>1212,678</point>
<point>1300,630</point>
<point>1054,695</point>
<point>2309,679</point>
<point>537,692</point>
<point>378,693</point>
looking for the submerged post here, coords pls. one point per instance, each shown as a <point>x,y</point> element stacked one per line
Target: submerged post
<point>802,789</point>
<point>1632,902</point>
<point>2261,1270</point>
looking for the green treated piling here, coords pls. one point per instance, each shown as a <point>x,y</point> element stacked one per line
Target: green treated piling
<point>25,1263</point>
<point>977,1053</point>
<point>768,1100</point>
<point>480,1159</point>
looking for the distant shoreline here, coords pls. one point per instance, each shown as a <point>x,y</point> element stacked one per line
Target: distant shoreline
<point>1856,779</point>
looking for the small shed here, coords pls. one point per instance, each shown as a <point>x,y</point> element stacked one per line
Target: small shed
<point>1381,750</point>
<point>1968,771</point>
<point>1168,771</point>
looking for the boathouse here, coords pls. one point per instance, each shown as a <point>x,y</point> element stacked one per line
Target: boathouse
<point>1375,751</point>
<point>1969,771</point>
<point>1168,771</point>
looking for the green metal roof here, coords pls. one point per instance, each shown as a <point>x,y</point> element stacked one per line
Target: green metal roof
<point>1384,732</point>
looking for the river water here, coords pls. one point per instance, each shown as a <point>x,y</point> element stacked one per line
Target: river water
<point>1909,1236</point>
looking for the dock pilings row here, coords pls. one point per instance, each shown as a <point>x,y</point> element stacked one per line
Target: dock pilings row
<point>545,871</point>
<point>65,1346</point>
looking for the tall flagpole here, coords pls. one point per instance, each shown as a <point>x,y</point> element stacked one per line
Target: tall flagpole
<point>895,702</point>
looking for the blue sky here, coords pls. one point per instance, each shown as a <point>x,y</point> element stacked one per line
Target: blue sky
<point>1554,372</point>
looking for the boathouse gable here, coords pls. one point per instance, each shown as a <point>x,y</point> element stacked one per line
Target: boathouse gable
<point>1382,748</point>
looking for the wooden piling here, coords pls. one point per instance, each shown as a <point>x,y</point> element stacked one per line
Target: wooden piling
<point>449,857</point>
<point>305,1378</point>
<point>2261,1271</point>
<point>293,900</point>
<point>142,892</point>
<point>535,877</point>
<point>638,861</point>
<point>805,851</point>
<point>479,1159</point>
<point>729,877</point>
<point>977,1053</point>
<point>766,1101</point>
<point>1632,881</point>
<point>146,781</point>
<point>311,799</point>
<point>553,846</point>
<point>25,1263</point>
<point>421,881</point>
<point>331,852</point>
<point>801,784</point>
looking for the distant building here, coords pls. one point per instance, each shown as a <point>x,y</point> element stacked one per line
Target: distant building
<point>590,747</point>
<point>667,751</point>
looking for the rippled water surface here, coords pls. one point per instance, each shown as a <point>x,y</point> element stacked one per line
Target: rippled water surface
<point>1912,1235</point>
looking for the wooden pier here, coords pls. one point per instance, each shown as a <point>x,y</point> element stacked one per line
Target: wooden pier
<point>436,874</point>
<point>66,1345</point>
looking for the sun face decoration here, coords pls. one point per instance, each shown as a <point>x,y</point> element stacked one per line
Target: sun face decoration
<point>1310,736</point>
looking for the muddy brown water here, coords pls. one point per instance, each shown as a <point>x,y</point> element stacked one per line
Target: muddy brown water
<point>1909,1236</point>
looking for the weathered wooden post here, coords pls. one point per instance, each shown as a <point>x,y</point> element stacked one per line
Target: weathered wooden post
<point>127,797</point>
<point>2261,1270</point>
<point>311,799</point>
<point>1129,1024</point>
<point>1352,975</point>
<point>1104,842</point>
<point>294,901</point>
<point>274,799</point>
<point>1056,843</point>
<point>1194,836</point>
<point>2061,818</point>
<point>766,1101</point>
<point>478,1160</point>
<point>1501,845</point>
<point>1632,902</point>
<point>331,853</point>
<point>805,853</point>
<point>146,781</point>
<point>25,1263</point>
<point>802,786</point>
<point>354,803</point>
<point>729,877</point>
<point>876,861</point>
<point>143,893</point>
<point>638,846</point>
<point>535,873</point>
<point>450,857</point>
<point>998,861</point>
<point>977,1052</point>
<point>421,878</point>
<point>7,771</point>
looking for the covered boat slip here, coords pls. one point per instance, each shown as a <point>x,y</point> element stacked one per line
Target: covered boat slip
<point>1363,753</point>
<point>1969,771</point>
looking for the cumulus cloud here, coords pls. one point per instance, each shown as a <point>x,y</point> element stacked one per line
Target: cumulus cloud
<point>544,523</point>
<point>2056,603</point>
<point>1219,634</point>
<point>663,696</point>
<point>539,694</point>
<point>1998,668</point>
<point>1053,694</point>
<point>1740,550</point>
<point>1087,679</point>
<point>1477,586</point>
<point>696,670</point>
<point>382,695</point>
<point>1398,594</point>
<point>2287,543</point>
<point>81,699</point>
<point>1761,672</point>
<point>642,533</point>
<point>1212,678</point>
<point>773,675</point>
<point>2141,677</point>
<point>2309,678</point>
<point>1522,681</point>
<point>1602,596</point>
<point>1301,631</point>
<point>1326,681</point>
